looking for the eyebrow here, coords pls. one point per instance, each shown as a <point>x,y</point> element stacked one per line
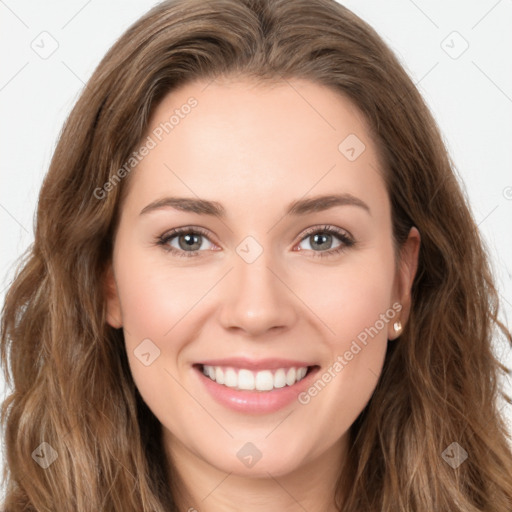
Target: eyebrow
<point>298,207</point>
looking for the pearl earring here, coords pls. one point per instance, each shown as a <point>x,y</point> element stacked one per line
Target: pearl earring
<point>397,326</point>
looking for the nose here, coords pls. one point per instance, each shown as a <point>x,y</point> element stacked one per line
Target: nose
<point>257,299</point>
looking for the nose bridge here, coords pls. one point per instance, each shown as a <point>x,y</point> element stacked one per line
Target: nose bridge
<point>256,299</point>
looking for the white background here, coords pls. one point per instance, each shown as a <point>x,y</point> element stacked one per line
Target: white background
<point>470,96</point>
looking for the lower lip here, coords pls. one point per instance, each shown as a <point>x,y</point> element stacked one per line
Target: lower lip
<point>256,402</point>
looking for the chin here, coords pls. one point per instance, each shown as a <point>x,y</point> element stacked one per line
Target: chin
<point>256,459</point>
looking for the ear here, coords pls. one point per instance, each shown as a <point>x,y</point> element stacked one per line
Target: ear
<point>114,316</point>
<point>407,267</point>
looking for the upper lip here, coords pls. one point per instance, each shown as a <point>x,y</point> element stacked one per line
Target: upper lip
<point>252,364</point>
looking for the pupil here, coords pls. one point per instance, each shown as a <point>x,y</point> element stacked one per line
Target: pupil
<point>190,241</point>
<point>326,239</point>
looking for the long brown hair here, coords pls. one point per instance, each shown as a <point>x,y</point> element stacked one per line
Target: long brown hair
<point>70,379</point>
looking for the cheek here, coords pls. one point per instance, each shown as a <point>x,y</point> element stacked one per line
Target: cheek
<point>154,297</point>
<point>352,297</point>
<point>355,304</point>
<point>152,307</point>
<point>155,301</point>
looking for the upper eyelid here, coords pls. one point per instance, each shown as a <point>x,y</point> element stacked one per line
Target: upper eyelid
<point>334,230</point>
<point>328,228</point>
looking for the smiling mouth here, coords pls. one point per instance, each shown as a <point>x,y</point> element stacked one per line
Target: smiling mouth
<point>242,379</point>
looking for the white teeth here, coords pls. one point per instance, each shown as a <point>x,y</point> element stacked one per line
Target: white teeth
<point>264,380</point>
<point>280,378</point>
<point>245,379</point>
<point>301,373</point>
<point>230,378</point>
<point>291,376</point>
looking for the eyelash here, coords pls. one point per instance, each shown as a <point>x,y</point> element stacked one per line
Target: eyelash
<point>347,241</point>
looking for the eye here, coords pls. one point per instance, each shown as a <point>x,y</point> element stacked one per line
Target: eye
<point>187,242</point>
<point>190,241</point>
<point>320,238</point>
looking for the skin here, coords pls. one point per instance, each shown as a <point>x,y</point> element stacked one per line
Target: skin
<point>255,149</point>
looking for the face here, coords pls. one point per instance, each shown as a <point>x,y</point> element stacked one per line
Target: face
<point>228,260</point>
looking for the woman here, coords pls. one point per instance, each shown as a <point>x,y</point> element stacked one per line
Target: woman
<point>255,283</point>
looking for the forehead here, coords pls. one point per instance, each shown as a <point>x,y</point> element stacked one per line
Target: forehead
<point>257,142</point>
